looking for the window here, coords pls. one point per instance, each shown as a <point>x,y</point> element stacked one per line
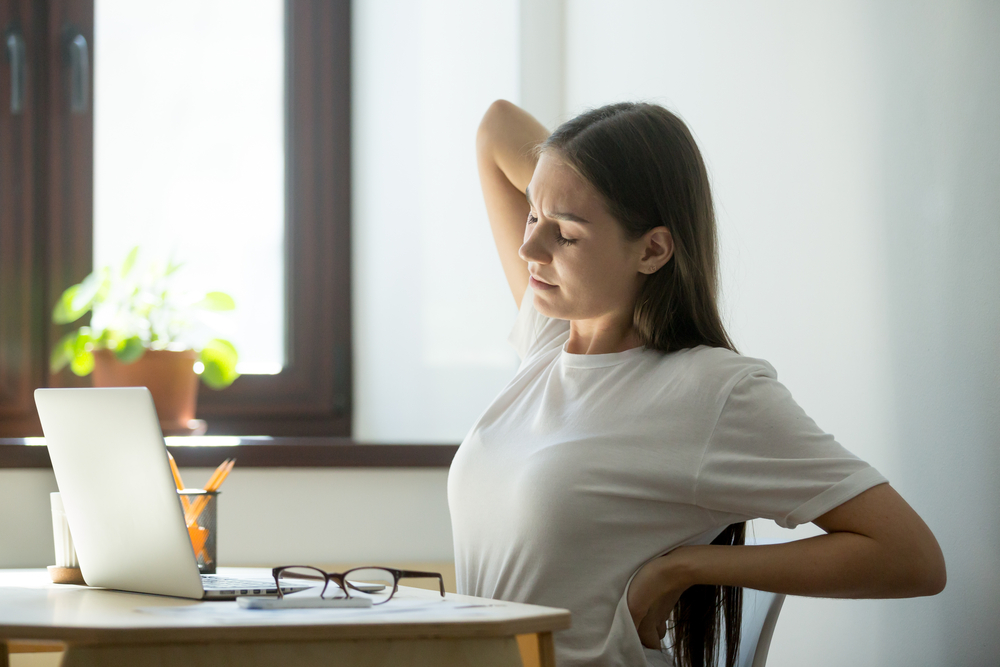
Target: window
<point>47,215</point>
<point>189,154</point>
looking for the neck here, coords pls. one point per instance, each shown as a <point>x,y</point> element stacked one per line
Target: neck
<point>602,336</point>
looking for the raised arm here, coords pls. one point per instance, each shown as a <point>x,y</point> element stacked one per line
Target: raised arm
<point>876,546</point>
<point>505,152</point>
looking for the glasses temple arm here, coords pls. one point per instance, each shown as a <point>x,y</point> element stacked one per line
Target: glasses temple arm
<point>413,574</point>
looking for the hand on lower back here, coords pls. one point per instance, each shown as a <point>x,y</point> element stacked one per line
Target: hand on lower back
<point>652,596</point>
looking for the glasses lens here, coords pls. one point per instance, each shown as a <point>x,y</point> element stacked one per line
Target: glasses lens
<point>373,581</point>
<point>293,579</point>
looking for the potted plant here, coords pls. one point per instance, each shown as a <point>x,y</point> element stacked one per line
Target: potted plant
<point>145,330</point>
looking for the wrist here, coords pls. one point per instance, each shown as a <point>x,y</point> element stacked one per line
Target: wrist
<point>678,568</point>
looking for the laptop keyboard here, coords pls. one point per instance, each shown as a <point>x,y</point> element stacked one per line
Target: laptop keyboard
<point>214,582</point>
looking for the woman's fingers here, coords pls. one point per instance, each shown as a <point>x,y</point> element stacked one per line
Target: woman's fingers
<point>649,633</point>
<point>652,628</point>
<point>652,596</point>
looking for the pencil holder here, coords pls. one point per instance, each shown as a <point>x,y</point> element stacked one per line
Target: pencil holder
<point>200,515</point>
<point>67,567</point>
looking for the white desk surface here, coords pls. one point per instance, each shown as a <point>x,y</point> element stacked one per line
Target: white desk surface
<point>31,607</point>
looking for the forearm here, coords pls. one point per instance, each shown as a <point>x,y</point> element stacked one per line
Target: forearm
<point>875,547</point>
<point>902,561</point>
<point>505,153</point>
<point>507,138</point>
<point>837,565</point>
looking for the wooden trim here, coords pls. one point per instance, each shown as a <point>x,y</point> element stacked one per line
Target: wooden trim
<point>68,175</point>
<point>312,395</point>
<point>46,190</point>
<point>259,452</point>
<point>22,323</point>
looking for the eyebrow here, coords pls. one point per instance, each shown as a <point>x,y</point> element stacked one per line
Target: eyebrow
<point>569,217</point>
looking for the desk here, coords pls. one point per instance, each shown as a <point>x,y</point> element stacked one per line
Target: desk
<point>101,627</point>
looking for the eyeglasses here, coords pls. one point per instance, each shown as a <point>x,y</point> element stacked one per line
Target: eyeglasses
<point>381,583</point>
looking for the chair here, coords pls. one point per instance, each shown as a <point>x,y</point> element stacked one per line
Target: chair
<point>760,615</point>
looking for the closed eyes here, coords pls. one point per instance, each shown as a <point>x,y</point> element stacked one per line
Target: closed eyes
<point>560,239</point>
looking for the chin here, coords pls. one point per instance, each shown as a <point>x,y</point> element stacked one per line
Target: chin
<point>556,309</point>
<point>549,309</point>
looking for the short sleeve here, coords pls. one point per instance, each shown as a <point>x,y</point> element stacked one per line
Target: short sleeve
<point>533,331</point>
<point>767,459</point>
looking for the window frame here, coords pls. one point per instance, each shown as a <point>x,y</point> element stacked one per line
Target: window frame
<point>46,163</point>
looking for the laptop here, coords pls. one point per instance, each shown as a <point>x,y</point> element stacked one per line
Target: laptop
<point>110,462</point>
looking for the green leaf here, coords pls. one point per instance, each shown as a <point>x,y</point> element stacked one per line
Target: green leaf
<point>216,301</point>
<point>219,358</point>
<point>78,299</point>
<point>171,267</point>
<point>82,363</point>
<point>62,353</point>
<point>129,261</point>
<point>130,350</point>
<point>63,312</point>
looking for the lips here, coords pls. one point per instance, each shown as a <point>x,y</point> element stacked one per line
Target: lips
<point>535,283</point>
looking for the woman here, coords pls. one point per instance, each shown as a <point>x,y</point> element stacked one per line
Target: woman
<point>614,474</point>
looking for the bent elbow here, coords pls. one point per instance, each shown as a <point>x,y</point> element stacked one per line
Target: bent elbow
<point>932,577</point>
<point>494,116</point>
<point>938,579</point>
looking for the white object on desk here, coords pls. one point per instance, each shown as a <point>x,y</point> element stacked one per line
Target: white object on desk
<point>65,551</point>
<point>293,602</point>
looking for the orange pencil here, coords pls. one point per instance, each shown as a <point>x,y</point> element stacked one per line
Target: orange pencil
<point>214,482</point>
<point>199,504</point>
<point>177,480</point>
<point>215,474</point>
<point>222,476</point>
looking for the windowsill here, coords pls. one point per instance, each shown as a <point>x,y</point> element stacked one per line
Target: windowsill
<point>261,452</point>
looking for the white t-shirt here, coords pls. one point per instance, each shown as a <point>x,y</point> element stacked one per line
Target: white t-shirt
<point>585,467</point>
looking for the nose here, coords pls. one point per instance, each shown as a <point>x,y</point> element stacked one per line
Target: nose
<point>533,249</point>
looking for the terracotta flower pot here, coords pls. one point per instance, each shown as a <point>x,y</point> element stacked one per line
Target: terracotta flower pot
<point>168,375</point>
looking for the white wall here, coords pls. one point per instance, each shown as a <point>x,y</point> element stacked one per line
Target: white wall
<point>853,149</point>
<point>431,307</point>
<point>272,516</point>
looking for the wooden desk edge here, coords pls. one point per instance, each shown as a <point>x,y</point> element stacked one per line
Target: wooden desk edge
<point>242,634</point>
<point>538,619</point>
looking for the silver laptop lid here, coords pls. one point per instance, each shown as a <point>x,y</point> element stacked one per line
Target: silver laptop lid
<point>111,466</point>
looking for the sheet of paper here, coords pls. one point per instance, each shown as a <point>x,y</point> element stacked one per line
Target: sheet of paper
<point>226,613</point>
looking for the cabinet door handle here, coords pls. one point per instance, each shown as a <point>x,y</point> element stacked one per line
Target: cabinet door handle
<point>16,58</point>
<point>79,70</point>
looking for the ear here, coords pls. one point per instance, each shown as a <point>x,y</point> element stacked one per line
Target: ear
<point>657,249</point>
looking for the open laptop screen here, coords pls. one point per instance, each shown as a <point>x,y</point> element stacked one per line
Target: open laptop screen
<point>111,466</point>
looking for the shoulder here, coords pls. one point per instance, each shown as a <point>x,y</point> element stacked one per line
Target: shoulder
<point>695,381</point>
<point>716,365</point>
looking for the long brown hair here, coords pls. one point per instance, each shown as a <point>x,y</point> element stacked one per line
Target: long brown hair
<point>645,163</point>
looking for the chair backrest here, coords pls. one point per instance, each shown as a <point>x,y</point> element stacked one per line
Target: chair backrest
<point>760,615</point>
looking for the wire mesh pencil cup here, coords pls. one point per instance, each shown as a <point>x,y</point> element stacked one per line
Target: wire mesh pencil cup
<point>202,526</point>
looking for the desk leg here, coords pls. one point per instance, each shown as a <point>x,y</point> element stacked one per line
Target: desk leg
<point>3,655</point>
<point>463,652</point>
<point>528,645</point>
<point>546,650</point>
